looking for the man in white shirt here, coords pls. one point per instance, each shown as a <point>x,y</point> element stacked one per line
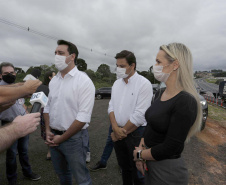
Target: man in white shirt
<point>131,96</point>
<point>67,116</point>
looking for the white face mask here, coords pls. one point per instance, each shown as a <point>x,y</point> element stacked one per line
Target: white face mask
<point>159,75</point>
<point>60,62</point>
<point>121,73</point>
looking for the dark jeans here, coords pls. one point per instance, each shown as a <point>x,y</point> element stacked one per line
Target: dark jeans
<point>108,148</point>
<point>69,158</point>
<point>21,145</point>
<point>124,151</point>
<point>87,147</point>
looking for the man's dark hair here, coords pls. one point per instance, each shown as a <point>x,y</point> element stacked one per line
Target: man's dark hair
<point>6,64</point>
<point>46,77</point>
<point>71,48</point>
<point>36,73</point>
<point>128,55</point>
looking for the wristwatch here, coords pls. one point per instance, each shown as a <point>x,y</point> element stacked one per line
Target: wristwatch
<point>139,155</point>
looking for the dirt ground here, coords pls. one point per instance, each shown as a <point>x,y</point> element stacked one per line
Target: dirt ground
<point>205,154</point>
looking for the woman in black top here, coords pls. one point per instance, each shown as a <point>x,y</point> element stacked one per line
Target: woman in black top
<point>174,116</point>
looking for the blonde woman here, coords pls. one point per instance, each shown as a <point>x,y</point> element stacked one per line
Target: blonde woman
<point>174,116</point>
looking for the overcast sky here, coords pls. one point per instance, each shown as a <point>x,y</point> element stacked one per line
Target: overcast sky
<point>100,27</point>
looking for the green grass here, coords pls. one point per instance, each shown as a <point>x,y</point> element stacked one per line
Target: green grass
<point>102,84</point>
<point>216,113</point>
<point>211,80</point>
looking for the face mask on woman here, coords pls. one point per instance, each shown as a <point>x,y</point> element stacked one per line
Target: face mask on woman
<point>159,75</point>
<point>60,62</point>
<point>9,78</point>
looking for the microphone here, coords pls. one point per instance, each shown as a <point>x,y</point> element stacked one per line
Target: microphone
<point>35,74</point>
<point>39,98</point>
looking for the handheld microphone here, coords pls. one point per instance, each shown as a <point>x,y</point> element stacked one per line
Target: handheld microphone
<point>35,74</point>
<point>39,98</point>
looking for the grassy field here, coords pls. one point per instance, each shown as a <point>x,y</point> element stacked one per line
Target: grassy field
<point>216,113</point>
<point>211,80</point>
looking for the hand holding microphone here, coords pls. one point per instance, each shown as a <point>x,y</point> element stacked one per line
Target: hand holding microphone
<point>31,86</point>
<point>35,74</point>
<point>39,99</point>
<point>24,125</point>
<point>31,81</point>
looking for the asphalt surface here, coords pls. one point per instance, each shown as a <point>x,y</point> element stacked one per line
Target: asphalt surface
<point>210,88</point>
<point>98,132</point>
<point>205,161</point>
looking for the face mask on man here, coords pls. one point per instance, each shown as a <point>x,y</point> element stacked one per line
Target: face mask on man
<point>159,75</point>
<point>9,78</point>
<point>121,73</point>
<point>60,62</point>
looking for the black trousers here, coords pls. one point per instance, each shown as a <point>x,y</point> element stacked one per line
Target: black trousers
<point>124,151</point>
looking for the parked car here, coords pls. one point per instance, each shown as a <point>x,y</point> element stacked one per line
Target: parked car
<point>103,92</point>
<point>106,92</point>
<point>155,88</point>
<point>202,101</point>
<point>204,111</point>
<point>201,91</point>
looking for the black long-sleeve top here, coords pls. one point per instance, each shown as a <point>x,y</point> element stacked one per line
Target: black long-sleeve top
<point>168,124</point>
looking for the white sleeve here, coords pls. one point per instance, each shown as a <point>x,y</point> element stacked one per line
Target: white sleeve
<point>86,101</point>
<point>143,103</point>
<point>47,107</point>
<point>110,106</point>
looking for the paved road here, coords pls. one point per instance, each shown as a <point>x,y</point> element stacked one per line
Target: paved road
<point>210,88</point>
<point>201,83</point>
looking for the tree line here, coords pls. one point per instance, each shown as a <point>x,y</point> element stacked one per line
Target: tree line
<point>103,77</point>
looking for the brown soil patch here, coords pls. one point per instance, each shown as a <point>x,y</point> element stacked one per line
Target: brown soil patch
<point>210,166</point>
<point>214,133</point>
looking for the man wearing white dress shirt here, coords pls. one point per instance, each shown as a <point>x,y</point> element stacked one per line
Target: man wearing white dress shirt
<point>131,96</point>
<point>67,116</point>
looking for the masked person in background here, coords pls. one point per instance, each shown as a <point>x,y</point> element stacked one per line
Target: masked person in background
<point>130,98</point>
<point>174,116</point>
<point>8,75</point>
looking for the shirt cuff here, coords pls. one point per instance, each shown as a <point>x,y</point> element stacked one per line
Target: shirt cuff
<point>83,117</point>
<point>110,110</point>
<point>136,121</point>
<point>46,110</point>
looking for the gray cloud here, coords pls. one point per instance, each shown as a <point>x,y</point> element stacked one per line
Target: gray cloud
<point>111,26</point>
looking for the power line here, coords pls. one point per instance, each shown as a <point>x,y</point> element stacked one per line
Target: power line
<point>9,23</point>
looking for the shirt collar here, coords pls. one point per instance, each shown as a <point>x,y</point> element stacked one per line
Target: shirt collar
<point>71,72</point>
<point>132,77</point>
<point>3,82</point>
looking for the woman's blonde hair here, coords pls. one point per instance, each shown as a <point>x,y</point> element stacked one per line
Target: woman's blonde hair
<point>185,80</point>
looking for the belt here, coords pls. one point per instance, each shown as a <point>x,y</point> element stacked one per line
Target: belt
<point>58,132</point>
